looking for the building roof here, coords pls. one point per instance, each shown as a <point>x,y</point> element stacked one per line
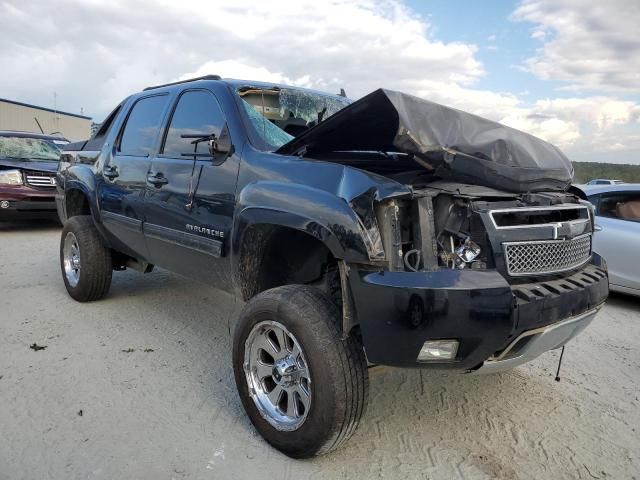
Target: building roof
<point>44,108</point>
<point>19,134</point>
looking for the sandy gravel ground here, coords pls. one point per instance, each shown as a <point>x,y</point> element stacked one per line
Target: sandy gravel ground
<point>139,386</point>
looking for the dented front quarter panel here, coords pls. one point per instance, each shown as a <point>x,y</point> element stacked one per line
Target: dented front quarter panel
<point>307,195</point>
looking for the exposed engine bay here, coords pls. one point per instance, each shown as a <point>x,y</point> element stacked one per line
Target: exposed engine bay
<point>454,226</point>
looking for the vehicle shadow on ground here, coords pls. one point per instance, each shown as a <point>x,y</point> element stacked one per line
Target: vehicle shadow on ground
<point>622,300</point>
<point>39,225</point>
<point>431,397</point>
<point>426,418</point>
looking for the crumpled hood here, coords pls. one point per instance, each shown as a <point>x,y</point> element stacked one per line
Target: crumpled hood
<point>49,167</point>
<point>453,144</point>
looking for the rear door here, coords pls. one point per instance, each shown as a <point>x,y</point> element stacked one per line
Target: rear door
<point>189,196</point>
<point>125,174</point>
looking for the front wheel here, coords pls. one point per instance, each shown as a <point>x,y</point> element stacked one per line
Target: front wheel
<point>304,387</point>
<point>85,262</point>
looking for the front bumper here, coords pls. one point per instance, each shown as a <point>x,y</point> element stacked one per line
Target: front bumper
<point>533,343</point>
<point>16,200</point>
<point>399,311</point>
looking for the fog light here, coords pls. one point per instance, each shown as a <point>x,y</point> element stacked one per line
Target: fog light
<point>438,350</point>
<point>4,204</point>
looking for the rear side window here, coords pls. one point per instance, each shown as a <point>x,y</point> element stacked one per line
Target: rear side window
<point>197,114</point>
<point>623,206</point>
<point>142,126</point>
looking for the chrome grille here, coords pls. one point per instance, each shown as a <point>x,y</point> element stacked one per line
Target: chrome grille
<point>546,256</point>
<point>41,180</point>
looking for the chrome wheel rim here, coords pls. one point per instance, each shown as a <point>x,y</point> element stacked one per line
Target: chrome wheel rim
<point>277,375</point>
<point>71,259</point>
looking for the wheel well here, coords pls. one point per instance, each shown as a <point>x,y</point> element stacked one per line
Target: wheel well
<point>76,203</point>
<point>272,256</point>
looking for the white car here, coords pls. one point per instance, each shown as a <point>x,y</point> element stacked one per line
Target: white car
<point>617,232</point>
<point>604,181</point>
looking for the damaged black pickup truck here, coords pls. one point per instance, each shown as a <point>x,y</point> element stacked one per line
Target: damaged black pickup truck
<point>385,231</point>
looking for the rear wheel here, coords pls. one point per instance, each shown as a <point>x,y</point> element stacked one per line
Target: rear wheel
<point>304,387</point>
<point>85,262</point>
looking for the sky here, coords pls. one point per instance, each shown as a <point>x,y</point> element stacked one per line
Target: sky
<point>567,71</point>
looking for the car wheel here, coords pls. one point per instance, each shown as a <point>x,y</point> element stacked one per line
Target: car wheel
<point>303,386</point>
<point>84,260</point>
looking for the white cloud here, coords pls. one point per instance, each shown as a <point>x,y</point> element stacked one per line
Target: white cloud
<point>92,50</point>
<point>93,54</point>
<point>539,34</point>
<point>593,45</point>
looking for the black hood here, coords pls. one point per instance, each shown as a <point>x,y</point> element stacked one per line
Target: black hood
<point>451,143</point>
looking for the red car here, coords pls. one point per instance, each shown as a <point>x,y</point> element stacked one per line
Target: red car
<point>28,164</point>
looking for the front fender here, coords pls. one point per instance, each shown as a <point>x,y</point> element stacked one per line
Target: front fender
<point>81,178</point>
<point>316,212</point>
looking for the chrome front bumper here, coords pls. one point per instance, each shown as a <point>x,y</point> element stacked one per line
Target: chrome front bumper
<point>533,343</point>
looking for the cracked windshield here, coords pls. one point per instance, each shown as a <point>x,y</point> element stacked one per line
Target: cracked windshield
<point>29,149</point>
<point>279,114</point>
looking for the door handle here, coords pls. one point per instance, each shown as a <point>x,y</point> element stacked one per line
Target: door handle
<point>157,179</point>
<point>110,171</point>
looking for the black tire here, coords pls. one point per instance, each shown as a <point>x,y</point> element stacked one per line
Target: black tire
<point>337,367</point>
<point>95,270</point>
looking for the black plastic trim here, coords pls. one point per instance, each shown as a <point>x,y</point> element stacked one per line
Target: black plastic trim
<point>208,246</point>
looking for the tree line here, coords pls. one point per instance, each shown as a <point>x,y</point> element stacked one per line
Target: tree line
<point>585,171</point>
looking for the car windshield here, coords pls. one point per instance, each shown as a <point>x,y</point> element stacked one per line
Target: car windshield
<point>277,114</point>
<point>29,149</point>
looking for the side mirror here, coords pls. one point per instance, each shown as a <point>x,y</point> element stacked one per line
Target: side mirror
<point>221,146</point>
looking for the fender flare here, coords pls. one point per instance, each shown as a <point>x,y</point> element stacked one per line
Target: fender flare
<point>315,212</point>
<point>318,213</point>
<point>82,178</point>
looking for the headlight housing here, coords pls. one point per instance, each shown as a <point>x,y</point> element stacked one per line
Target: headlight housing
<point>364,210</point>
<point>10,177</point>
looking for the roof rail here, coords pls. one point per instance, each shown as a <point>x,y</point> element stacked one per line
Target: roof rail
<point>205,77</point>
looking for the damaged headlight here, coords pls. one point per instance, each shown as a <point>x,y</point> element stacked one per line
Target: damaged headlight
<point>461,253</point>
<point>363,207</point>
<point>467,253</point>
<point>371,236</point>
<point>10,177</point>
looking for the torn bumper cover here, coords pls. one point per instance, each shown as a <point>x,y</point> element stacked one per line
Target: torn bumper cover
<point>451,143</point>
<point>399,311</point>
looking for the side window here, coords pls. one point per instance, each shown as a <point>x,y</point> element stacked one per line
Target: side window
<point>196,114</point>
<point>623,206</point>
<point>142,126</point>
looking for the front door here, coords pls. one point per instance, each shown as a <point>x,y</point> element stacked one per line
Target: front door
<point>125,175</point>
<point>189,196</point>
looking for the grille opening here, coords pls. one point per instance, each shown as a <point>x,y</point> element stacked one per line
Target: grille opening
<point>40,179</point>
<point>515,350</point>
<point>551,288</point>
<point>521,295</point>
<point>512,218</point>
<point>547,256</point>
